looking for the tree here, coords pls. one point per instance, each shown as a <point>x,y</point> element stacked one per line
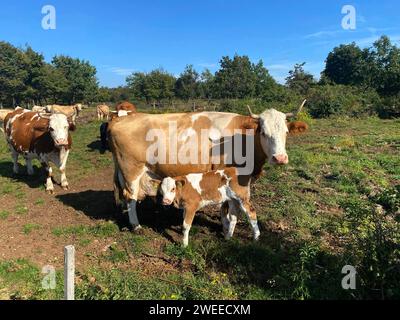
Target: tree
<point>265,83</point>
<point>13,74</point>
<point>206,84</point>
<point>81,77</point>
<point>299,80</point>
<point>385,62</point>
<point>187,85</point>
<point>345,65</point>
<point>155,86</point>
<point>236,78</point>
<point>34,82</point>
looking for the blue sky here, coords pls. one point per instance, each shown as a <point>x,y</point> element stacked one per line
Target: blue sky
<point>123,36</point>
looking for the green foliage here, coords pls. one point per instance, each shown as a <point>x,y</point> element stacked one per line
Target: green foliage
<point>239,78</point>
<point>377,67</point>
<point>26,79</point>
<point>328,100</point>
<point>299,80</point>
<point>187,85</point>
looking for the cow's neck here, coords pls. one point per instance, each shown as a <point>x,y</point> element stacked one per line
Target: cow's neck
<point>259,156</point>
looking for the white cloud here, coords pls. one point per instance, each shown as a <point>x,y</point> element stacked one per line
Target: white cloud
<point>207,65</point>
<point>121,71</point>
<point>323,34</point>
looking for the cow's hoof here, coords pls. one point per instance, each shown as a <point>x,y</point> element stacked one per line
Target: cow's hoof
<point>137,229</point>
<point>50,191</point>
<point>65,187</point>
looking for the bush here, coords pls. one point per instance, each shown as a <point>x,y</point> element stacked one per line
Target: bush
<point>389,108</point>
<point>327,100</point>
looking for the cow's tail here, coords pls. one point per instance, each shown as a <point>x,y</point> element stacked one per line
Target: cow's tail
<point>118,188</point>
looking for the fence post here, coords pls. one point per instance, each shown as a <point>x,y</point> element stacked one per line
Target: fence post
<point>69,273</point>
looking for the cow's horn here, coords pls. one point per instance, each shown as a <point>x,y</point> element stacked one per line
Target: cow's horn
<point>44,115</point>
<point>293,115</point>
<point>254,116</point>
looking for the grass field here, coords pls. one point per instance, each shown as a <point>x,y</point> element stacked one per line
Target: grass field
<point>335,204</point>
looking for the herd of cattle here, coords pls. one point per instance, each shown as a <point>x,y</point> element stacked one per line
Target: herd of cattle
<point>43,133</point>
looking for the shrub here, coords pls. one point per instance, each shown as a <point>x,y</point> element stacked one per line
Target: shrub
<point>327,100</point>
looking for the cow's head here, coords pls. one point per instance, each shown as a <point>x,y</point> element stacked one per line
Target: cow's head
<point>273,131</point>
<point>169,188</point>
<point>58,127</point>
<point>168,191</point>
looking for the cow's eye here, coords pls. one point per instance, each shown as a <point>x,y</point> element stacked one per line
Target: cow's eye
<point>173,189</point>
<point>51,129</point>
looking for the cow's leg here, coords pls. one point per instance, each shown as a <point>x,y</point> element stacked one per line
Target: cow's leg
<point>187,224</point>
<point>49,182</point>
<point>132,212</point>
<point>64,182</point>
<point>229,218</point>
<point>29,166</point>
<point>14,155</point>
<point>248,209</point>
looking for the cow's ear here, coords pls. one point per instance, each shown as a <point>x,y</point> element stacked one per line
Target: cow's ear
<point>155,183</point>
<point>39,126</point>
<point>72,126</point>
<point>251,123</point>
<point>180,183</point>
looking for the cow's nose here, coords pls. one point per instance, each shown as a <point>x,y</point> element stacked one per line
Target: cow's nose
<point>61,142</point>
<point>166,202</point>
<point>280,159</point>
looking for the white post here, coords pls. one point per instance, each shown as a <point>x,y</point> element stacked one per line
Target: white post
<point>69,273</point>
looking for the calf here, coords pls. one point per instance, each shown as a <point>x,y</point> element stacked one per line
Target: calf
<point>42,136</point>
<point>197,190</point>
<point>103,112</point>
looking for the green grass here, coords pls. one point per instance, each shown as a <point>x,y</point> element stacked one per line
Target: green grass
<point>4,214</point>
<point>29,227</point>
<point>106,229</point>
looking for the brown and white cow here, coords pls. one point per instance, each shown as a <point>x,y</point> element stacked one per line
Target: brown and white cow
<point>70,111</point>
<point>194,191</point>
<point>103,112</point>
<point>131,143</point>
<point>39,136</point>
<point>127,106</point>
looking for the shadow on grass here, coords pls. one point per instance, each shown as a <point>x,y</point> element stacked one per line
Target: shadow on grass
<point>96,146</point>
<point>36,180</point>
<point>100,205</point>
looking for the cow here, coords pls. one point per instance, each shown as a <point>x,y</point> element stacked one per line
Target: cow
<point>296,127</point>
<point>130,142</point>
<point>127,106</point>
<point>40,136</point>
<point>3,114</point>
<point>104,127</point>
<point>70,111</point>
<point>39,109</point>
<point>103,112</point>
<point>194,191</point>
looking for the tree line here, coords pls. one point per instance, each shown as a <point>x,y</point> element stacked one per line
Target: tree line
<point>355,81</point>
<point>27,79</point>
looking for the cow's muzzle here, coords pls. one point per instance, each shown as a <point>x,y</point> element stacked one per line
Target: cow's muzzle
<point>166,202</point>
<point>280,159</point>
<point>61,142</point>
